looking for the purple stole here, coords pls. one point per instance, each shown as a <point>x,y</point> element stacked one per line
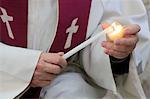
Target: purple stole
<point>18,9</point>
<point>69,11</point>
<point>72,9</point>
<point>73,18</point>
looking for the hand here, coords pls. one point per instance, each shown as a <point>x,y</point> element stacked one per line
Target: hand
<point>48,67</point>
<point>122,47</point>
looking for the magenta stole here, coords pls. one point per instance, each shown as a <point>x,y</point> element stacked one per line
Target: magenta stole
<point>68,11</point>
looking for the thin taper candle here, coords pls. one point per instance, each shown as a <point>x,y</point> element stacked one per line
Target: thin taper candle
<point>84,44</point>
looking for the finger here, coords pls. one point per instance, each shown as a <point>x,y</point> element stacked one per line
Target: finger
<point>116,54</point>
<point>123,49</point>
<point>60,53</point>
<point>105,25</point>
<point>39,83</point>
<point>52,68</point>
<point>43,76</point>
<point>107,44</point>
<point>132,29</point>
<point>119,48</point>
<point>128,41</point>
<point>55,59</point>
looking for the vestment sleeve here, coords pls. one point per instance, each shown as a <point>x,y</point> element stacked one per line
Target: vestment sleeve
<point>17,66</point>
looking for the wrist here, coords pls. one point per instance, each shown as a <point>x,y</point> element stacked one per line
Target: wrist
<point>120,66</point>
<point>116,60</point>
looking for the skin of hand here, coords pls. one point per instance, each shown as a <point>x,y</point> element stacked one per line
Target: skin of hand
<point>48,67</point>
<point>122,47</point>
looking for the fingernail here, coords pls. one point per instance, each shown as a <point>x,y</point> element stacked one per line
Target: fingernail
<point>117,42</point>
<point>103,43</point>
<point>106,52</point>
<point>126,31</point>
<point>105,25</point>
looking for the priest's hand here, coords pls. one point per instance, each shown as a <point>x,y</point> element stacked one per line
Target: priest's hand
<point>48,67</point>
<point>121,48</point>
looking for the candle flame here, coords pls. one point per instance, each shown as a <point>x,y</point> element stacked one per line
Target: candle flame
<point>115,31</point>
<point>117,27</point>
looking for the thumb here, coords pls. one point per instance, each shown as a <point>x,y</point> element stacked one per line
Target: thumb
<point>105,25</point>
<point>60,53</point>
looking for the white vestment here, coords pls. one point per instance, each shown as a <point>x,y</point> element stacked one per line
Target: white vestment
<point>147,5</point>
<point>15,76</point>
<point>145,75</point>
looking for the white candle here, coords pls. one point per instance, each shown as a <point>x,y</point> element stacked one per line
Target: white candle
<point>112,29</point>
<point>84,44</point>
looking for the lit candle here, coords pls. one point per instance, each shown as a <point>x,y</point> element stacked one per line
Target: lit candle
<point>113,32</point>
<point>116,31</point>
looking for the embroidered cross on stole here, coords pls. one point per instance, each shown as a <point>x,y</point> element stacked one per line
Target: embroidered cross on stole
<point>13,22</point>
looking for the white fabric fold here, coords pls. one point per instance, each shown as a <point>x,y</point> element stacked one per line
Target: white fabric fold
<point>97,64</point>
<point>15,79</point>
